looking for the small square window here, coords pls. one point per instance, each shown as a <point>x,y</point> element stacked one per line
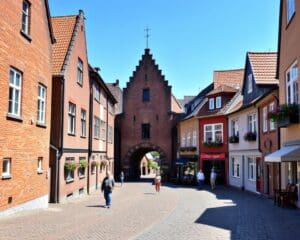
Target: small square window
<point>146,95</point>
<point>6,168</point>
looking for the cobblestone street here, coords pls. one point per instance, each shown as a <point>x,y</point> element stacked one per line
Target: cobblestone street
<point>175,213</point>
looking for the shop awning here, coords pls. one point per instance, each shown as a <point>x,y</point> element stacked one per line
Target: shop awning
<point>183,160</point>
<point>212,156</point>
<point>284,154</point>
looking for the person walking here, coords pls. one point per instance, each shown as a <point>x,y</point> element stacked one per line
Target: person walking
<point>157,182</point>
<point>107,187</point>
<point>213,176</point>
<point>201,178</point>
<point>122,177</point>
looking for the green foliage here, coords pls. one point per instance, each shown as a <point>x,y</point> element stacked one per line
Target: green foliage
<point>153,165</point>
<point>82,163</point>
<point>70,165</point>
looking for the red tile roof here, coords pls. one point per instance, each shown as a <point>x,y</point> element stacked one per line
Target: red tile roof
<point>264,67</point>
<point>221,89</point>
<point>63,28</point>
<point>232,78</point>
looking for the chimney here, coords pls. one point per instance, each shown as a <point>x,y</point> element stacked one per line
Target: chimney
<point>97,69</point>
<point>116,83</point>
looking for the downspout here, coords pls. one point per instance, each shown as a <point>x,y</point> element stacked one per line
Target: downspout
<point>56,172</point>
<point>107,129</point>
<point>90,136</point>
<point>61,133</point>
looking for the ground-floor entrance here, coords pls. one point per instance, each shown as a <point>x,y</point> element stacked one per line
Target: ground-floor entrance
<point>219,166</point>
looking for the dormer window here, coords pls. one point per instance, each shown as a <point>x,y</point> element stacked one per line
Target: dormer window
<point>218,102</point>
<point>290,9</point>
<point>211,103</point>
<point>250,85</point>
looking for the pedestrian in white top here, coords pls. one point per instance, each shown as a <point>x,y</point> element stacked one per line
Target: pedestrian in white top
<point>200,177</point>
<point>213,176</point>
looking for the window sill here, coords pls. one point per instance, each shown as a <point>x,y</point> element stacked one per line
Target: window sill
<point>13,117</point>
<point>235,177</point>
<point>82,136</point>
<point>39,171</point>
<point>70,180</point>
<point>40,124</point>
<point>5,177</point>
<point>81,177</point>
<point>96,138</point>
<point>25,35</point>
<point>80,84</point>
<point>72,134</point>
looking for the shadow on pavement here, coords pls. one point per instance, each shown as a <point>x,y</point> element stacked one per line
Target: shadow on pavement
<point>96,206</point>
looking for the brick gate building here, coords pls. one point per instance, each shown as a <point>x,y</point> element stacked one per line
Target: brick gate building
<point>148,120</point>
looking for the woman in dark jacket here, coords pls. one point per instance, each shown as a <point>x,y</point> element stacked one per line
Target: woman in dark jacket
<point>107,187</point>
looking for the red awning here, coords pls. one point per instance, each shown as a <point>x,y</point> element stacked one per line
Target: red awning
<point>212,156</point>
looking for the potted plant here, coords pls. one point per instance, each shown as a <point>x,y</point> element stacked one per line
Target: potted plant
<point>250,136</point>
<point>192,149</point>
<point>234,139</point>
<point>213,144</point>
<point>285,114</point>
<point>70,165</point>
<point>82,163</point>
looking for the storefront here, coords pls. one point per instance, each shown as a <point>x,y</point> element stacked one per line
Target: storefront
<point>216,160</point>
<point>186,170</point>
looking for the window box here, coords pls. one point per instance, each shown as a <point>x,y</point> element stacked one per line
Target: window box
<point>234,139</point>
<point>188,149</point>
<point>285,115</point>
<point>250,136</point>
<point>212,144</point>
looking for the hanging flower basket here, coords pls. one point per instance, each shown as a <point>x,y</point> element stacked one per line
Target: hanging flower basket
<point>95,163</point>
<point>285,115</point>
<point>212,144</point>
<point>250,136</point>
<point>234,139</point>
<point>70,165</point>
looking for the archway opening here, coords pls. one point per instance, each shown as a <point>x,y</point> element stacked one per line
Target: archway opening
<point>149,165</point>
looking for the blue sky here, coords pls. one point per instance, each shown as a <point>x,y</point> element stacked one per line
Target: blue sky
<point>188,38</point>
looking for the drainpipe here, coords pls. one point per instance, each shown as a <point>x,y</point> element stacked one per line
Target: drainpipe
<point>56,195</point>
<point>90,142</point>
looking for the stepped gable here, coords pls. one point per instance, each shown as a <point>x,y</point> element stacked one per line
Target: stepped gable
<point>147,58</point>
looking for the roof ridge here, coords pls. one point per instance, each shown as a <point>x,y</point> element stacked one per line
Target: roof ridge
<point>65,16</point>
<point>262,52</point>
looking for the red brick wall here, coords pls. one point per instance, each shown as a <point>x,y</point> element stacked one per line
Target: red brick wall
<point>24,141</point>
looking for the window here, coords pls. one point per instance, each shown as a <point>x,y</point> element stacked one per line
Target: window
<point>234,128</point>
<point>146,95</point>
<point>235,167</point>
<point>82,166</point>
<point>213,133</point>
<point>97,92</point>
<point>69,172</point>
<point>252,123</point>
<point>265,119</point>
<point>271,109</point>
<point>250,83</point>
<point>110,134</point>
<point>291,84</point>
<point>80,72</point>
<point>290,9</point>
<point>183,141</point>
<point>41,104</point>
<point>96,127</point>
<point>72,118</point>
<point>251,169</point>
<point>25,17</point>
<point>218,102</point>
<point>6,168</point>
<point>188,139</point>
<point>145,131</point>
<point>15,82</point>
<point>83,123</point>
<point>211,103</point>
<point>103,130</point>
<point>40,165</point>
<point>194,138</point>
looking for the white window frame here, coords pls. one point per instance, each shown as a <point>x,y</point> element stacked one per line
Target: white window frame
<point>234,127</point>
<point>290,9</point>
<point>251,169</point>
<point>83,123</point>
<point>194,138</point>
<point>271,109</point>
<point>265,119</point>
<point>25,17</point>
<point>211,103</point>
<point>40,165</point>
<point>183,140</point>
<point>250,83</point>
<point>188,139</point>
<point>41,113</point>
<point>7,173</point>
<point>235,167</point>
<point>291,77</point>
<point>218,102</point>
<point>80,72</point>
<point>96,127</point>
<point>70,173</point>
<point>72,118</point>
<point>15,92</point>
<point>252,122</point>
<point>213,131</point>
